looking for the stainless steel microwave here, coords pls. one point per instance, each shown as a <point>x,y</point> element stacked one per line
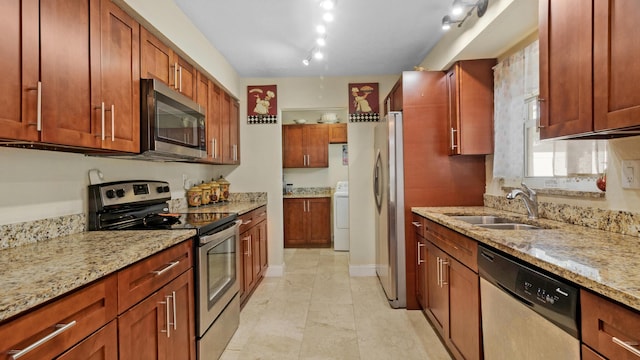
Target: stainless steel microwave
<point>172,126</point>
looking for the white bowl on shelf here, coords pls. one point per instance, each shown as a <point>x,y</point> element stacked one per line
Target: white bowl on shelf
<point>299,121</point>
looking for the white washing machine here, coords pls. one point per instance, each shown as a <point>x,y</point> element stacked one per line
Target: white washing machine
<point>341,217</point>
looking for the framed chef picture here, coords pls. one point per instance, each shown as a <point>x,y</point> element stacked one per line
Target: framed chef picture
<point>364,103</point>
<point>262,104</point>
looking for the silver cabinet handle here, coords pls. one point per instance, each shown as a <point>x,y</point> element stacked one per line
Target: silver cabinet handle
<point>416,224</point>
<point>175,317</point>
<point>113,123</point>
<point>438,270</point>
<point>102,121</point>
<point>453,142</point>
<point>167,317</point>
<point>443,282</point>
<point>38,122</point>
<point>16,354</point>
<point>420,261</point>
<point>246,222</point>
<point>248,239</point>
<point>627,345</point>
<point>175,75</point>
<point>213,148</point>
<point>167,268</point>
<point>235,152</point>
<point>180,79</point>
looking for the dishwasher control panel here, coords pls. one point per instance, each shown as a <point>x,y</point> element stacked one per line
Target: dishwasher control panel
<point>544,291</point>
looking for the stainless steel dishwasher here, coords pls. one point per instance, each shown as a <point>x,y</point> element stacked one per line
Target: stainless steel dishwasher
<point>525,314</point>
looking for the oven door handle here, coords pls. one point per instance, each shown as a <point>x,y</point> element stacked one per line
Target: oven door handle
<point>220,236</point>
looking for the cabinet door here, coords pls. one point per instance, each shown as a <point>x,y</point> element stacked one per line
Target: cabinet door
<point>103,345</point>
<point>255,253</point>
<point>69,37</point>
<point>181,344</point>
<point>247,261</point>
<point>318,222</point>
<point>316,143</point>
<point>566,82</point>
<point>262,234</point>
<point>20,62</point>
<point>338,133</point>
<point>186,77</point>
<point>421,271</point>
<point>616,73</point>
<point>293,155</point>
<point>437,294</point>
<point>155,58</point>
<point>294,231</point>
<point>214,123</point>
<point>141,330</point>
<point>452,109</point>
<point>464,310</point>
<point>234,131</point>
<point>119,65</point>
<point>225,126</point>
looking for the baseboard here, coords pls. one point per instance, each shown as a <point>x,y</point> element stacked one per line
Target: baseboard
<point>362,270</point>
<point>275,271</point>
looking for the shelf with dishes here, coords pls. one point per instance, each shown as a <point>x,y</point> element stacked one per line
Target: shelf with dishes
<point>314,116</point>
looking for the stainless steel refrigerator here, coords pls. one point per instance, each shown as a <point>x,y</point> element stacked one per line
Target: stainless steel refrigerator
<point>388,189</point>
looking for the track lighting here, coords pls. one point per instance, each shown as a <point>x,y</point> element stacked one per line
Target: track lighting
<point>459,7</point>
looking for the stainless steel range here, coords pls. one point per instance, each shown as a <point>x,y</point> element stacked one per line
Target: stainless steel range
<point>142,204</point>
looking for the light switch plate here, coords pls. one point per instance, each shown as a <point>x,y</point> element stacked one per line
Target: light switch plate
<point>630,174</point>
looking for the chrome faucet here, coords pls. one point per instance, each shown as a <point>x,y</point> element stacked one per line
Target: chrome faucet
<point>529,198</point>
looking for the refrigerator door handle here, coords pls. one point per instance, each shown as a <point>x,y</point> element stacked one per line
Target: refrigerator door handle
<point>377,180</point>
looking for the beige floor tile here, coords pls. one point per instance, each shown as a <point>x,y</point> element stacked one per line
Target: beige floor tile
<point>317,311</point>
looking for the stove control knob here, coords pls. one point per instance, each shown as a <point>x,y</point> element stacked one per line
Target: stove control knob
<point>166,188</point>
<point>110,194</point>
<point>120,193</point>
<point>160,189</point>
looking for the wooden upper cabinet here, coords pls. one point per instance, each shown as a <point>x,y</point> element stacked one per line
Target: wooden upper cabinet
<point>159,61</point>
<point>214,119</point>
<point>338,133</point>
<point>120,78</point>
<point>69,37</point>
<point>566,92</point>
<point>155,58</point>
<point>594,89</point>
<point>305,146</point>
<point>470,107</point>
<point>225,116</point>
<point>20,61</point>
<point>616,69</point>
<point>234,131</point>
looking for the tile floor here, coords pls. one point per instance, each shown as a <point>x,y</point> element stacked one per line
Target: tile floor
<point>317,311</point>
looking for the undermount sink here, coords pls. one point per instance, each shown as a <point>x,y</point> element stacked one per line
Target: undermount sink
<point>495,222</point>
<point>509,226</point>
<point>482,219</point>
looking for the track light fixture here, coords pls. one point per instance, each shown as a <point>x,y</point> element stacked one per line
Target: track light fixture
<point>459,7</point>
<point>321,29</point>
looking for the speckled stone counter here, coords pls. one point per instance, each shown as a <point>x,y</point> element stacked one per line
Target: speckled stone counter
<point>308,192</point>
<point>35,273</point>
<point>604,262</point>
<point>239,207</point>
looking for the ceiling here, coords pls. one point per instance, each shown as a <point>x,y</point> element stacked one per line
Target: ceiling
<point>270,38</point>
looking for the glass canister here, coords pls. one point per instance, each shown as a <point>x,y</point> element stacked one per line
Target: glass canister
<point>224,188</point>
<point>215,191</point>
<point>194,196</point>
<point>206,193</point>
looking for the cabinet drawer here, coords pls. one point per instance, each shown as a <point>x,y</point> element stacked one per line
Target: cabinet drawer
<point>247,221</point>
<point>455,244</point>
<point>608,327</point>
<point>103,344</point>
<point>61,324</point>
<point>146,276</point>
<point>259,215</point>
<point>589,354</point>
<point>418,224</point>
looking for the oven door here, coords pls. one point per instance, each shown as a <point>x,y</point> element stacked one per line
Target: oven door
<point>217,281</point>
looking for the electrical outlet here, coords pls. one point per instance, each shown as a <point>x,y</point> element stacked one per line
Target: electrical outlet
<point>630,174</point>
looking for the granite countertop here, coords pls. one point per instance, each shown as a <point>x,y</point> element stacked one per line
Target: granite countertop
<point>602,261</point>
<point>308,192</point>
<point>36,273</point>
<point>239,207</point>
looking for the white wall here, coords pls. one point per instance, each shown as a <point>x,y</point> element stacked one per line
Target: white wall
<point>261,148</point>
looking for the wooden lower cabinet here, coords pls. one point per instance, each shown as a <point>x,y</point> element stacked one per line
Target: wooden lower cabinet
<point>307,222</point>
<point>253,247</point>
<point>589,354</point>
<point>161,326</point>
<point>452,288</point>
<point>103,345</point>
<point>421,262</point>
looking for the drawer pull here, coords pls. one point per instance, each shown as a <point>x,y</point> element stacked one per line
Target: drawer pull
<point>416,224</point>
<point>627,345</point>
<point>246,222</point>
<point>16,354</point>
<point>420,261</point>
<point>170,266</point>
